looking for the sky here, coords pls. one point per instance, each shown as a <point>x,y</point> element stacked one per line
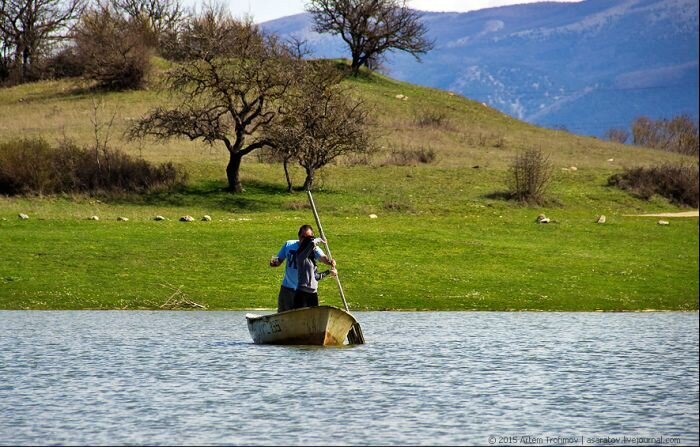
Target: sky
<point>264,10</point>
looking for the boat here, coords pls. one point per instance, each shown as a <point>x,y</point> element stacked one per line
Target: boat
<point>319,325</point>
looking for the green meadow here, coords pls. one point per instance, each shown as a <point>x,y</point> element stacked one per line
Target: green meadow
<point>442,239</point>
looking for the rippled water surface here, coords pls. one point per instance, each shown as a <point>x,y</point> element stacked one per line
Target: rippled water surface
<point>423,378</point>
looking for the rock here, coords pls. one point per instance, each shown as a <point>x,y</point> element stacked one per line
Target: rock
<point>663,222</point>
<point>601,219</point>
<point>206,218</point>
<point>187,219</point>
<point>23,216</point>
<point>122,219</point>
<point>373,216</point>
<point>159,218</point>
<point>573,168</point>
<point>401,97</point>
<point>94,218</point>
<point>451,93</point>
<point>475,167</point>
<point>484,104</point>
<point>542,219</point>
<point>611,159</point>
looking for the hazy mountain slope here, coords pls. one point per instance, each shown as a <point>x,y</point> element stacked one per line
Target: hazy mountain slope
<point>587,66</point>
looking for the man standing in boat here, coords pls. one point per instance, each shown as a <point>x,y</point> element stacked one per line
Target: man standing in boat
<point>288,253</point>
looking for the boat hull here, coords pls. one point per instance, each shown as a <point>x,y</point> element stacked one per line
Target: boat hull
<point>319,326</point>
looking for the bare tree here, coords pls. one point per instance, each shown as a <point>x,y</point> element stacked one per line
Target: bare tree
<point>618,135</point>
<point>230,86</point>
<point>28,26</point>
<point>161,17</point>
<point>371,27</point>
<point>679,134</point>
<point>322,122</point>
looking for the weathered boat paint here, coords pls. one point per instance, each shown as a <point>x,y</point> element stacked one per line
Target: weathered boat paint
<point>320,326</point>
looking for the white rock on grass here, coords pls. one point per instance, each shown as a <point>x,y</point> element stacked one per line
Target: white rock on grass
<point>187,219</point>
<point>122,219</point>
<point>23,216</point>
<point>573,168</point>
<point>373,216</point>
<point>601,219</point>
<point>542,219</point>
<point>159,218</point>
<point>402,97</point>
<point>206,218</point>
<point>94,218</point>
<point>664,222</point>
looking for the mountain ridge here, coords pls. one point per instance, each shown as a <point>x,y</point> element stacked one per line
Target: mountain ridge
<point>586,66</point>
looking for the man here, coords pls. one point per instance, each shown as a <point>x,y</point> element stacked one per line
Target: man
<point>288,252</point>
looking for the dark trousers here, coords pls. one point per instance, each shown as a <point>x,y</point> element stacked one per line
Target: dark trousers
<point>305,299</point>
<point>285,299</point>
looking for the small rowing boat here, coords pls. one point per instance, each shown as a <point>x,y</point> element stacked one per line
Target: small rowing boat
<point>320,325</point>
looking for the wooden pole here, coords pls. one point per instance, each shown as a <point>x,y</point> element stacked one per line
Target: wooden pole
<point>355,336</point>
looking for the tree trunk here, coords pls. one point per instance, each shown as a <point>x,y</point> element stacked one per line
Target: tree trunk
<point>285,163</point>
<point>309,182</point>
<point>355,65</point>
<point>233,172</point>
<point>25,65</point>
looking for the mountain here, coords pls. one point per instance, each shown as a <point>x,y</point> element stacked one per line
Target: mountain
<point>585,66</point>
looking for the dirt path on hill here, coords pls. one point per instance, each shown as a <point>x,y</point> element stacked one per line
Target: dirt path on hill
<point>681,214</point>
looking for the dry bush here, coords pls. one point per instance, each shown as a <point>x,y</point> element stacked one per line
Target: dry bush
<point>32,166</point>
<point>64,64</point>
<point>676,182</point>
<point>431,118</point>
<point>364,159</point>
<point>296,205</point>
<point>617,135</point>
<point>114,49</point>
<point>410,156</point>
<point>398,204</point>
<point>529,176</point>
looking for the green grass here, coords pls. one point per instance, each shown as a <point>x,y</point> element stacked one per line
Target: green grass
<point>442,240</point>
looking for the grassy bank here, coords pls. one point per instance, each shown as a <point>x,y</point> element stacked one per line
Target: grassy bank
<point>443,239</point>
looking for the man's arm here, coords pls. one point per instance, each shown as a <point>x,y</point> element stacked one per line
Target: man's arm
<point>327,261</point>
<point>276,261</point>
<point>321,256</point>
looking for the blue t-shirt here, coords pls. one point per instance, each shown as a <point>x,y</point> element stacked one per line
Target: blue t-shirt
<point>288,253</point>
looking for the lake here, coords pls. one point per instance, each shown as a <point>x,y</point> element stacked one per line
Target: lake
<point>132,377</point>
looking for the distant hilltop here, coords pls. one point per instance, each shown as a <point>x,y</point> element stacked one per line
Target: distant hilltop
<point>586,67</point>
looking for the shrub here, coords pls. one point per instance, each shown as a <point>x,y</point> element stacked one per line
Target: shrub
<point>114,50</point>
<point>32,166</point>
<point>617,135</point>
<point>64,64</point>
<point>529,176</point>
<point>410,157</point>
<point>431,118</point>
<point>676,182</point>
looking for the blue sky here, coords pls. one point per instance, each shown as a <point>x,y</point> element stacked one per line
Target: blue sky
<point>263,10</point>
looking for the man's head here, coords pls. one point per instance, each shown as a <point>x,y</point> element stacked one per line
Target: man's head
<point>306,231</point>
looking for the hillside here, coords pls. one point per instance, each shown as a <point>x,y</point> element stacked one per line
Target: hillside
<point>444,240</point>
<point>461,131</point>
<point>588,66</point>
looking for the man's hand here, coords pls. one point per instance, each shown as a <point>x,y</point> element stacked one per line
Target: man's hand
<point>275,261</point>
<point>334,272</point>
<point>333,264</point>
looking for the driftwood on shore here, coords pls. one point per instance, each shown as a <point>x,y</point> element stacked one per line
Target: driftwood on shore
<point>179,299</point>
